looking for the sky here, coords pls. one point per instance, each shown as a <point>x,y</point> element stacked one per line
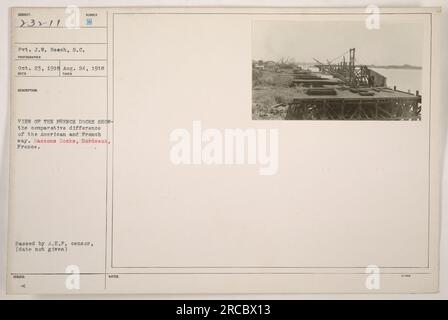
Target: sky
<point>392,44</point>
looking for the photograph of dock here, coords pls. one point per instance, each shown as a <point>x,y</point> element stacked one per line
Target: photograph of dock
<point>378,79</point>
